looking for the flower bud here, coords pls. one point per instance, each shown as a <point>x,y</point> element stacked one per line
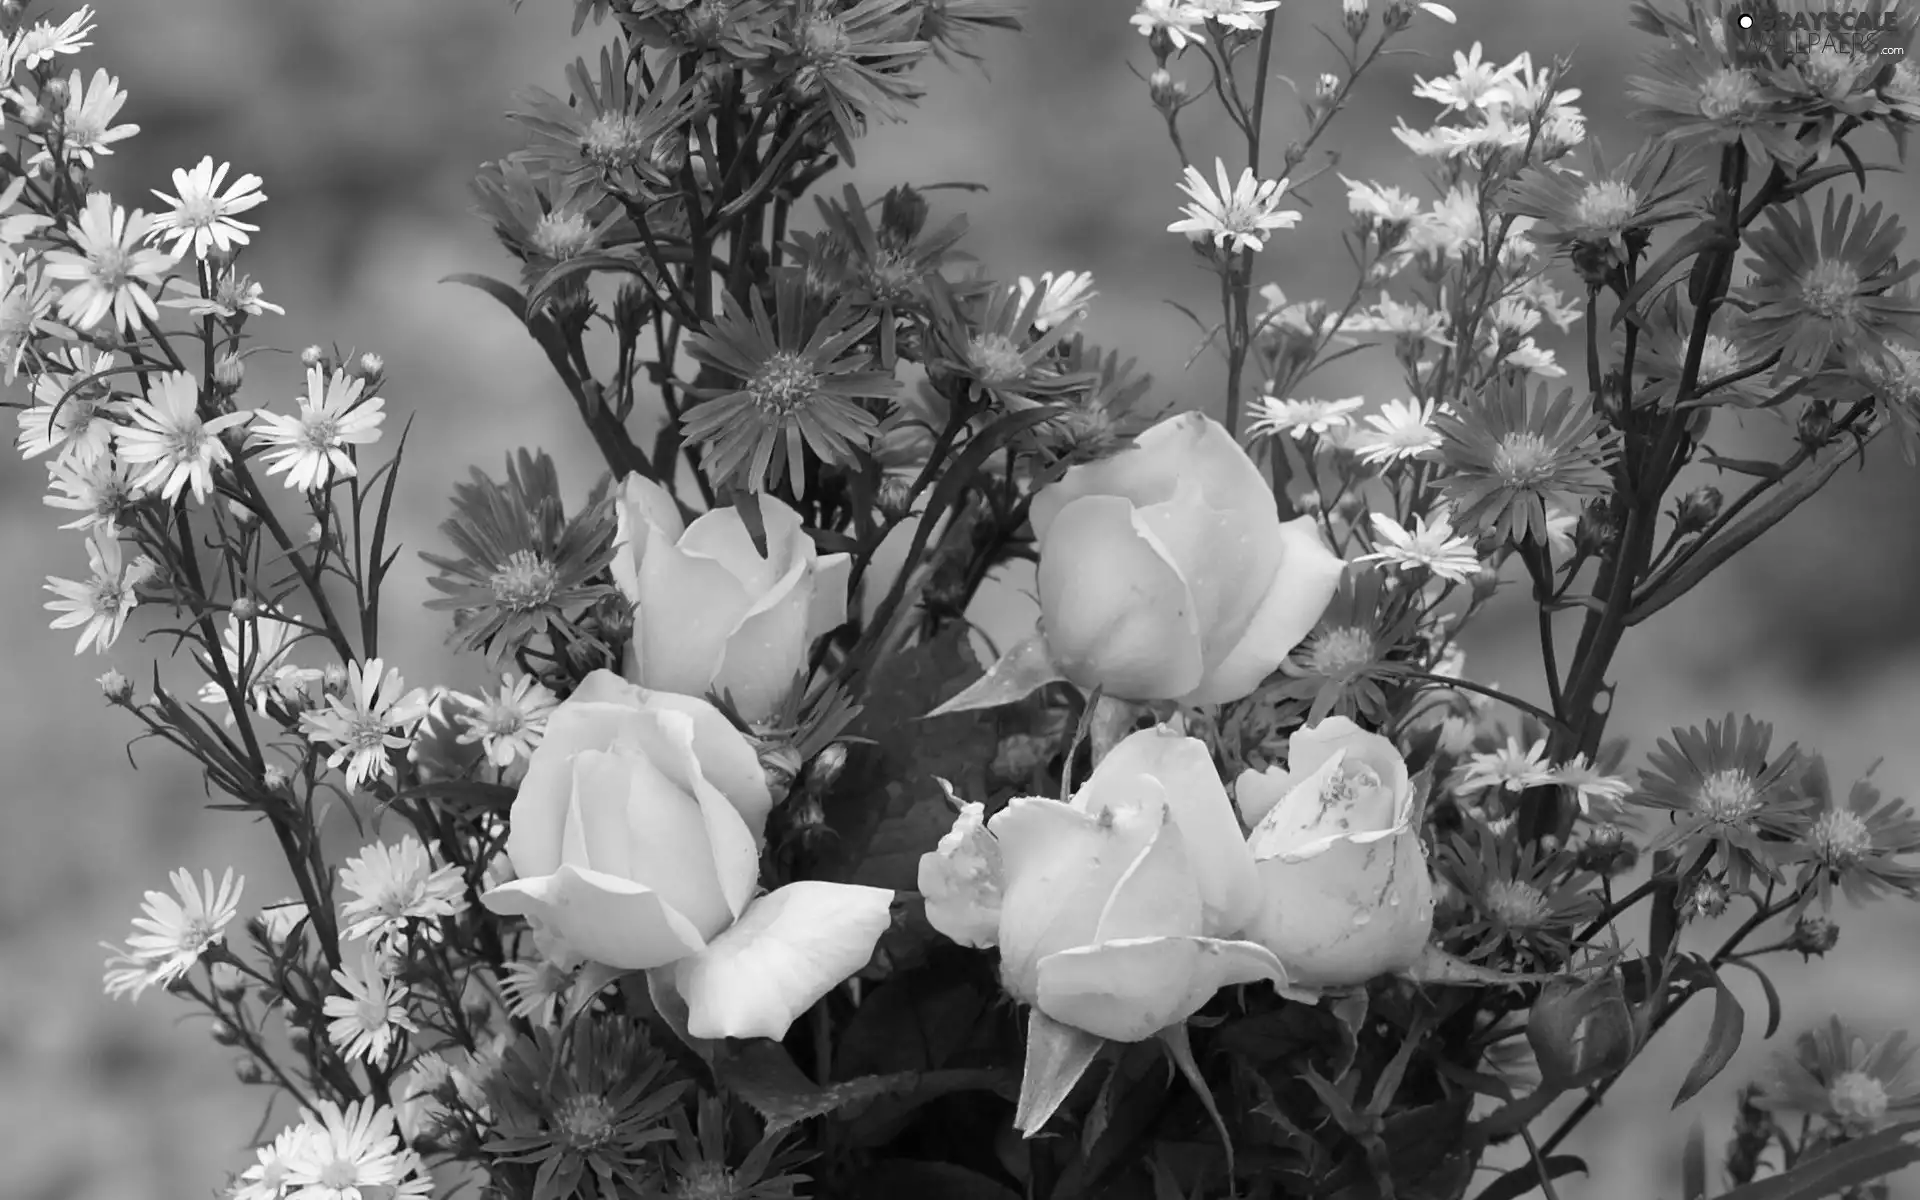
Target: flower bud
<point>903,214</point>
<point>1326,88</point>
<point>1606,851</point>
<point>1354,14</point>
<point>275,777</point>
<point>248,1071</point>
<point>229,371</point>
<point>1594,532</point>
<point>117,688</point>
<point>299,1038</point>
<point>1698,509</point>
<point>1581,1032</point>
<point>894,499</point>
<point>313,356</point>
<point>1398,16</point>
<point>1167,93</point>
<point>1486,581</point>
<point>228,980</point>
<point>824,771</point>
<point>244,608</point>
<point>1813,937</point>
<point>224,1034</point>
<point>56,93</point>
<point>334,677</point>
<point>1708,899</point>
<point>1816,426</point>
<point>1160,43</point>
<point>243,517</point>
<point>369,366</point>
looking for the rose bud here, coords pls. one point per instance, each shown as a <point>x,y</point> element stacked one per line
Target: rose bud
<point>1581,1031</point>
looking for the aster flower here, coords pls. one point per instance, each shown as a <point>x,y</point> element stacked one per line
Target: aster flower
<point>86,125</point>
<point>1828,86</point>
<point>1298,419</point>
<point>1401,430</point>
<point>881,268</point>
<point>1894,380</point>
<point>25,300</point>
<point>201,215</point>
<point>346,1153</point>
<point>583,1106</point>
<point>606,134</point>
<point>1853,1084</point>
<point>547,223</point>
<point>232,296</point>
<point>44,41</point>
<point>1474,84</point>
<point>1179,20</point>
<point>536,990</point>
<point>1589,784</point>
<point>950,26</point>
<point>851,60</point>
<point>395,888</point>
<point>1817,291</point>
<point>102,602</point>
<point>1358,650</point>
<point>1512,768</point>
<point>1602,217</point>
<point>1063,297</point>
<point>697,1162</point>
<point>1238,216</point>
<point>109,267</point>
<point>1413,325</point>
<point>373,718</point>
<point>312,448</point>
<point>368,1021</point>
<point>509,723</point>
<point>1728,797</point>
<point>1523,902</point>
<point>1695,94</point>
<point>1431,545</point>
<point>992,348</point>
<point>71,417</point>
<point>1245,15</point>
<point>101,492</point>
<point>798,389</point>
<point>1860,846</point>
<point>254,650</point>
<point>174,931</point>
<point>525,568</point>
<point>1662,358</point>
<point>166,435</point>
<point>1509,455</point>
<point>266,1179</point>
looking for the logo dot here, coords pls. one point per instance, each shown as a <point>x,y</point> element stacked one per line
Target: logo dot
<point>1745,21</point>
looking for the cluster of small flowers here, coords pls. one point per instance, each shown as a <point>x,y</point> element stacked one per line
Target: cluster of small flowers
<point>336,1153</point>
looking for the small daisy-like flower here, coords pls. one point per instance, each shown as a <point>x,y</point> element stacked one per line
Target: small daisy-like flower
<point>1729,798</point>
<point>1852,1083</point>
<point>373,718</point>
<point>1401,430</point>
<point>254,650</point>
<point>536,990</point>
<point>25,300</point>
<point>346,1154</point>
<point>1662,359</point>
<point>1063,297</point>
<point>312,448</point>
<point>110,268</point>
<point>1512,768</point>
<point>1695,94</point>
<point>232,295</point>
<point>1510,455</point>
<point>395,887</point>
<point>988,343</point>
<point>1345,665</point>
<point>101,492</point>
<point>1376,204</point>
<point>100,603</point>
<point>1474,84</point>
<point>1589,784</point>
<point>606,132</point>
<point>86,127</point>
<point>1176,17</point>
<point>1595,215</point>
<point>1523,903</point>
<point>1815,291</point>
<point>1860,846</point>
<point>1238,216</point>
<point>45,41</point>
<point>1232,14</point>
<point>1414,325</point>
<point>1534,359</point>
<point>1297,419</point>
<point>166,435</point>
<point>1452,229</point>
<point>174,931</point>
<point>368,1021</point>
<point>852,60</point>
<point>71,417</point>
<point>266,1179</point>
<point>1431,545</point>
<point>525,568</point>
<point>547,222</point>
<point>799,384</point>
<point>509,723</point>
<point>1894,379</point>
<point>201,216</point>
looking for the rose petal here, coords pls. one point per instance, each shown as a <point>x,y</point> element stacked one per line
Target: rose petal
<point>1157,896</point>
<point>1130,990</point>
<point>1189,445</point>
<point>1215,847</point>
<point>1114,608</point>
<point>642,511</point>
<point>614,921</point>
<point>768,648</point>
<point>540,806</point>
<point>721,536</point>
<point>832,577</point>
<point>1256,792</point>
<point>1302,816</point>
<point>689,604</point>
<point>720,835</point>
<point>1352,912</point>
<point>727,760</point>
<point>1302,587</point>
<point>791,947</point>
<point>961,880</point>
<point>1308,747</point>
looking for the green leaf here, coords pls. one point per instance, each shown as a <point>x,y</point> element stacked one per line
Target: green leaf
<point>1524,1179</point>
<point>888,808</point>
<point>909,1023</point>
<point>899,1177</point>
<point>747,504</point>
<point>1693,1165</point>
<point>1875,1156</point>
<point>764,1075</point>
<point>505,293</point>
<point>1057,1056</point>
<point>1766,985</point>
<point>1723,1039</point>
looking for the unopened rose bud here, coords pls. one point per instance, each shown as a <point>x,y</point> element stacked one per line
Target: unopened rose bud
<point>1581,1031</point>
<point>312,356</point>
<point>117,688</point>
<point>1813,937</point>
<point>229,371</point>
<point>1698,509</point>
<point>1354,14</point>
<point>1708,899</point>
<point>1167,93</point>
<point>248,1071</point>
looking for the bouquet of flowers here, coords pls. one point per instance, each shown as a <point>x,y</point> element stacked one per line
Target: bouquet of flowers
<point>746,873</point>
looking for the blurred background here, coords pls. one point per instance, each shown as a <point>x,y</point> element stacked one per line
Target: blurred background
<point>367,117</point>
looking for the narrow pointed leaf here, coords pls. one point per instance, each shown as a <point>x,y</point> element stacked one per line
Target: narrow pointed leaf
<point>1180,1047</point>
<point>1723,1039</point>
<point>1057,1056</point>
<point>505,293</point>
<point>1020,672</point>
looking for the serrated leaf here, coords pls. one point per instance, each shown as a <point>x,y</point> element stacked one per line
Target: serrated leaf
<point>1872,1157</point>
<point>1524,1180</point>
<point>1723,1040</point>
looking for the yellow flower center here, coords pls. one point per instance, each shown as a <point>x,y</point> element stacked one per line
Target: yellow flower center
<point>784,384</point>
<point>1341,650</point>
<point>996,359</point>
<point>562,235</point>
<point>527,581</point>
<point>1517,904</point>
<point>1606,206</point>
<point>1523,460</point>
<point>1831,291</point>
<point>585,1121</point>
<point>1859,1100</point>
<point>1728,93</point>
<point>705,1181</point>
<point>1727,797</point>
<point>614,141</point>
<point>1841,838</point>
